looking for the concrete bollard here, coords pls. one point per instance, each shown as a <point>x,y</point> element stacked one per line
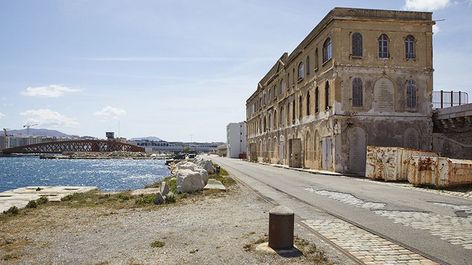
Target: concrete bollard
<point>281,221</point>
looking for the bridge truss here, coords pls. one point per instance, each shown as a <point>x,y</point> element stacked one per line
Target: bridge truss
<point>74,146</point>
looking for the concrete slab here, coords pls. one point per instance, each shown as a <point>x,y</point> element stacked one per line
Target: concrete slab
<point>214,184</point>
<point>145,191</point>
<point>21,196</point>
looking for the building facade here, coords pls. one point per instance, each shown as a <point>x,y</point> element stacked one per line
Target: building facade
<point>361,77</point>
<point>236,139</point>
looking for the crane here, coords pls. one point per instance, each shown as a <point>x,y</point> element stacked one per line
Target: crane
<point>27,126</point>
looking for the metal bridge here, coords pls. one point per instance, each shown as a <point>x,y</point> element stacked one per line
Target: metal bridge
<point>74,146</point>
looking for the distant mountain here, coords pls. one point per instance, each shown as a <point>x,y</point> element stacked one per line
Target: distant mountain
<point>38,132</point>
<point>149,138</point>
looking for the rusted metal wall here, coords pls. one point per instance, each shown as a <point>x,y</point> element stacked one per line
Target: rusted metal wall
<point>440,172</point>
<point>391,163</point>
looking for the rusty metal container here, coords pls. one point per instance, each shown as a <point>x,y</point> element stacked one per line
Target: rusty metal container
<point>441,172</point>
<point>281,225</point>
<point>391,163</point>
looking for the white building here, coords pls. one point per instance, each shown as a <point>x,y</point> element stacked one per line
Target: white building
<point>236,139</point>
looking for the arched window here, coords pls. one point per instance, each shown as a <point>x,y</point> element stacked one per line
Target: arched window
<point>300,107</point>
<point>317,59</point>
<point>357,44</point>
<point>383,46</point>
<point>307,65</point>
<point>327,95</point>
<point>410,47</point>
<point>317,100</point>
<point>411,94</point>
<point>301,71</point>
<point>357,93</point>
<point>308,103</point>
<point>327,50</point>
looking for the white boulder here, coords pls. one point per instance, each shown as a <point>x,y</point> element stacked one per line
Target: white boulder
<point>205,163</point>
<point>191,181</point>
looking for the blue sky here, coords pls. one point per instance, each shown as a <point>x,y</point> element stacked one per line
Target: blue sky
<point>178,70</point>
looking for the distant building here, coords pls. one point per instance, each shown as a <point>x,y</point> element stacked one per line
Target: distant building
<point>361,77</point>
<point>236,139</point>
<point>173,147</point>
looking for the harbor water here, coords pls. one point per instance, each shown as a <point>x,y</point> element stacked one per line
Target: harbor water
<point>106,174</point>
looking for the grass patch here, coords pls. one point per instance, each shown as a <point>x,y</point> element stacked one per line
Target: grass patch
<point>158,244</point>
<point>42,200</point>
<point>10,256</point>
<point>117,200</point>
<point>12,211</point>
<point>145,199</point>
<point>223,176</point>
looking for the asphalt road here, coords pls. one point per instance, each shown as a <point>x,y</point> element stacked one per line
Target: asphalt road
<point>426,222</point>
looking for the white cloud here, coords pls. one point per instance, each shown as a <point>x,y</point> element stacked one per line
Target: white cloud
<point>48,118</point>
<point>110,112</point>
<point>51,91</point>
<point>436,29</point>
<point>426,5</point>
<point>2,115</point>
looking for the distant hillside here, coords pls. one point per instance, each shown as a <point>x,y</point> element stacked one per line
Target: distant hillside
<point>38,132</point>
<point>149,138</point>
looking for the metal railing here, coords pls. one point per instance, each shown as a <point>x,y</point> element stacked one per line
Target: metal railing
<point>445,99</point>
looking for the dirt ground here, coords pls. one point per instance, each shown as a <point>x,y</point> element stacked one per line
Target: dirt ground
<point>210,228</point>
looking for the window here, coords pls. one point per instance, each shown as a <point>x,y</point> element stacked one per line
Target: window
<point>282,86</point>
<point>288,114</point>
<point>300,107</point>
<point>411,94</point>
<point>317,59</point>
<point>293,76</point>
<point>327,50</point>
<point>383,46</point>
<point>317,100</point>
<point>308,103</point>
<point>357,92</point>
<point>327,95</point>
<point>356,44</point>
<point>410,47</point>
<point>308,65</point>
<point>301,71</point>
<point>293,112</point>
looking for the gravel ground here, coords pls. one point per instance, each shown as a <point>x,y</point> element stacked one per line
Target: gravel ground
<point>217,228</point>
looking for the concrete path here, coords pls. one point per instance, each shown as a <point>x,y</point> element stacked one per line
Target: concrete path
<point>375,222</point>
<point>21,196</point>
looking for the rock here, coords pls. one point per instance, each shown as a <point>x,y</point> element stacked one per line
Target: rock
<point>164,188</point>
<point>205,164</point>
<point>191,181</point>
<point>159,199</point>
<point>187,165</point>
<point>170,198</point>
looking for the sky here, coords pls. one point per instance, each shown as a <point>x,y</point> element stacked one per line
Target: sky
<point>178,70</point>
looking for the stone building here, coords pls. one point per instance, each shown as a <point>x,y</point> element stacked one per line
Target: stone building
<point>361,77</point>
